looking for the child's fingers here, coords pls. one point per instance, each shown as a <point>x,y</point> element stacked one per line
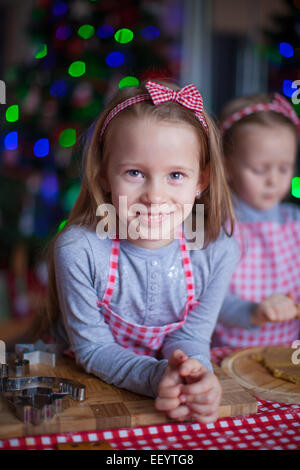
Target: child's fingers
<point>203,410</point>
<point>209,398</point>
<point>202,386</point>
<point>171,378</point>
<point>277,307</point>
<point>169,392</point>
<point>181,412</point>
<point>205,419</point>
<point>166,404</point>
<point>191,367</point>
<point>177,358</point>
<point>270,314</point>
<point>282,314</point>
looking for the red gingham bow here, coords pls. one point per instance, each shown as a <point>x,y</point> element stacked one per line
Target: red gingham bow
<point>287,109</point>
<point>279,105</point>
<point>189,97</point>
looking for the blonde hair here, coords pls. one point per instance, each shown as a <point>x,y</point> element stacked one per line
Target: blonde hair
<point>266,118</point>
<point>218,209</point>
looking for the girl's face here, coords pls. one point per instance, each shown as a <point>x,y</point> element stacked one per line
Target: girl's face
<point>262,164</point>
<point>154,165</point>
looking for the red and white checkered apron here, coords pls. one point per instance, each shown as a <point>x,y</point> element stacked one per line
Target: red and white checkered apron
<point>141,339</point>
<point>270,264</point>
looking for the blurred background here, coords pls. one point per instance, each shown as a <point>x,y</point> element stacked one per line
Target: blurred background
<point>59,63</point>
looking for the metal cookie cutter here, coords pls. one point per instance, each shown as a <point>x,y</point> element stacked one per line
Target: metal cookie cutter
<point>36,399</point>
<point>38,353</point>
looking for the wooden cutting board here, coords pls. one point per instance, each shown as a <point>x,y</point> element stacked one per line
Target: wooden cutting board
<point>107,407</point>
<point>254,377</point>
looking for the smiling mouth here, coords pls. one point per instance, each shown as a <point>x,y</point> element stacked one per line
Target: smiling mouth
<point>154,218</point>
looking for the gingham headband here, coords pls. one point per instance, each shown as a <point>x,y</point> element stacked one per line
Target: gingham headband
<point>278,105</point>
<point>189,97</point>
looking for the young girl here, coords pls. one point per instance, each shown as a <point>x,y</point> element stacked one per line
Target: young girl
<point>138,310</point>
<point>260,139</point>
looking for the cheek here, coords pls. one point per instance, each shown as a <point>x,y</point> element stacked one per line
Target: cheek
<point>238,178</point>
<point>119,187</point>
<point>287,181</point>
<point>246,183</point>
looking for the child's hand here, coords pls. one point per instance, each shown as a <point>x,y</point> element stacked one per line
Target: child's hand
<point>194,393</point>
<point>170,385</point>
<point>276,307</point>
<point>201,393</point>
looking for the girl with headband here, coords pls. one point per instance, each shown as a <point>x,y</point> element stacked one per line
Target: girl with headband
<point>260,141</point>
<point>138,310</point>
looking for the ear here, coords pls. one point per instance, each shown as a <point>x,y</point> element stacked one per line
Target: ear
<point>204,178</point>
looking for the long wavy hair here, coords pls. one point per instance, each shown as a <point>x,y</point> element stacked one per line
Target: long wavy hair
<point>218,211</point>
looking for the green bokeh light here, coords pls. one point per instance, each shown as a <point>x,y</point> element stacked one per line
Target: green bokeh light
<point>67,138</point>
<point>12,113</point>
<point>86,31</point>
<point>124,35</point>
<point>71,196</point>
<point>128,82</point>
<point>77,68</point>
<point>61,225</point>
<point>296,186</point>
<point>41,51</point>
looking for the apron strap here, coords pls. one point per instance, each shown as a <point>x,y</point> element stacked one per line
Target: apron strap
<point>113,265</point>
<point>187,266</point>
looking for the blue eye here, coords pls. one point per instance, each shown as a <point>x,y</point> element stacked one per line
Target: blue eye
<point>133,173</point>
<point>177,175</point>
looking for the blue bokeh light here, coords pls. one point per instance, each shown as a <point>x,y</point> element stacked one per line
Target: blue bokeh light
<point>286,50</point>
<point>287,88</point>
<point>50,188</point>
<point>58,88</point>
<point>105,31</point>
<point>115,59</point>
<point>60,8</point>
<point>11,140</point>
<point>63,32</point>
<point>150,32</point>
<point>41,148</point>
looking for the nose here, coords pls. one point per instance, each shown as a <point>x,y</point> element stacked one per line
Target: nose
<point>154,192</point>
<point>272,177</point>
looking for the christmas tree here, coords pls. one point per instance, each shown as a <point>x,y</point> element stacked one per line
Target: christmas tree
<point>81,51</point>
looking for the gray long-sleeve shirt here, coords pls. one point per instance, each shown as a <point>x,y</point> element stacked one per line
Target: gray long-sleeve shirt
<point>150,290</point>
<point>235,311</point>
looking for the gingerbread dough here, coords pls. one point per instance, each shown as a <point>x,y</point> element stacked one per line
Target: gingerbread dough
<point>279,361</point>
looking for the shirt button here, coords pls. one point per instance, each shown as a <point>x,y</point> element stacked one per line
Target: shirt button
<point>154,287</point>
<point>152,299</point>
<point>151,307</point>
<point>154,262</point>
<point>154,275</point>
